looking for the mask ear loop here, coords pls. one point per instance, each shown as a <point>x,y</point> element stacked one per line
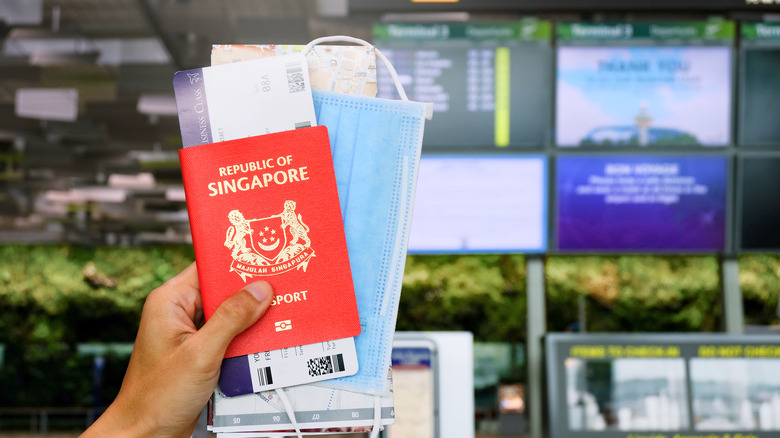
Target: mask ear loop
<point>377,417</point>
<point>289,409</point>
<point>398,86</point>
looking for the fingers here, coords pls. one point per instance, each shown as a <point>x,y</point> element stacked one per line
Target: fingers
<point>181,291</point>
<point>188,277</point>
<point>233,316</point>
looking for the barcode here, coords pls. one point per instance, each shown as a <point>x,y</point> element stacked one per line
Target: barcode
<point>326,365</point>
<point>264,376</point>
<point>295,80</point>
<point>300,125</point>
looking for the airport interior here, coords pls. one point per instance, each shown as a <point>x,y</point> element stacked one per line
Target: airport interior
<point>566,224</point>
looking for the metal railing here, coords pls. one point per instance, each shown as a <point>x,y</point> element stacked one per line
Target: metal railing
<point>42,420</point>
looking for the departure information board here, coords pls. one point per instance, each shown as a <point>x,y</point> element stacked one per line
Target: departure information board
<point>489,83</point>
<point>759,85</point>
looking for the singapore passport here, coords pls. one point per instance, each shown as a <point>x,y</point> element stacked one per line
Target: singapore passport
<point>266,208</point>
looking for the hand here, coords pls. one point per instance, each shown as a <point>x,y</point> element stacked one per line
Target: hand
<point>174,366</point>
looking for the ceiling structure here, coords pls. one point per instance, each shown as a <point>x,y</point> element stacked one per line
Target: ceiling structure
<point>114,51</point>
<point>56,154</point>
<point>102,167</point>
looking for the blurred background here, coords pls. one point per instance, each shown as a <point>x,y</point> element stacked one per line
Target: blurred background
<point>592,167</point>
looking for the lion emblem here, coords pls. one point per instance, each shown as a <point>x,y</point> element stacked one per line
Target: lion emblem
<point>268,245</point>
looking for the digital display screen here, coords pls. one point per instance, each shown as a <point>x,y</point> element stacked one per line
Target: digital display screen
<point>627,394</point>
<point>643,96</point>
<point>663,385</point>
<point>480,204</point>
<point>760,87</point>
<point>489,83</point>
<point>733,394</point>
<point>759,203</point>
<point>632,203</point>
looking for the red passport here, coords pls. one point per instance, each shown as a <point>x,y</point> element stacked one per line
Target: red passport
<point>267,208</point>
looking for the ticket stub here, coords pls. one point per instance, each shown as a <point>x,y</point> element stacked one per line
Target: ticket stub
<point>316,407</point>
<point>288,366</point>
<point>243,99</point>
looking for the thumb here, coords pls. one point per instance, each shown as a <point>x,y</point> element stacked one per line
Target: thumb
<point>234,315</point>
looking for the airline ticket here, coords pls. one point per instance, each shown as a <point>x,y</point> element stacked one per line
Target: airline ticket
<point>288,366</point>
<point>232,101</point>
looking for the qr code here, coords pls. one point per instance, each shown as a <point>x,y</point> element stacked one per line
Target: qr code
<point>295,80</point>
<point>326,365</point>
<point>320,366</point>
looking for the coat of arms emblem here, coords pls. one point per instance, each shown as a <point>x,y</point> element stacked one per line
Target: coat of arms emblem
<point>269,245</point>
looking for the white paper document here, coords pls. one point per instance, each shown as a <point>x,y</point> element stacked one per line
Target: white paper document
<point>243,99</point>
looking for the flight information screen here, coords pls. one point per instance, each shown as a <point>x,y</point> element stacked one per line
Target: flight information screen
<point>759,85</point>
<point>489,83</point>
<point>480,204</point>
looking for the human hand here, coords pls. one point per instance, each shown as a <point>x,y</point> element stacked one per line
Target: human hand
<point>175,366</point>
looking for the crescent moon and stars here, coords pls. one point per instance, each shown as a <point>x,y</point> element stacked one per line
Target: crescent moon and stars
<point>273,239</point>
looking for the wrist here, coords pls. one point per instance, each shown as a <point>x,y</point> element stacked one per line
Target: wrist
<point>121,422</point>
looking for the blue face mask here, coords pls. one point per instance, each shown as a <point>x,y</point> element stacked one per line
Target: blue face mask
<point>376,151</point>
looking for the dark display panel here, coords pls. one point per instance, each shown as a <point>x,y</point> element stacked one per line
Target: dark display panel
<point>759,112</point>
<point>630,203</point>
<point>759,85</point>
<point>759,203</point>
<point>489,83</point>
<point>663,385</point>
<point>480,204</point>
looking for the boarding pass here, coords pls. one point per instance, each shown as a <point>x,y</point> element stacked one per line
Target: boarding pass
<point>288,366</point>
<point>243,99</point>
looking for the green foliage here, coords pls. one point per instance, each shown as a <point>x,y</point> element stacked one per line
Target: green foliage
<point>51,302</point>
<point>635,293</point>
<point>54,297</point>
<point>681,139</point>
<point>759,278</point>
<point>484,294</point>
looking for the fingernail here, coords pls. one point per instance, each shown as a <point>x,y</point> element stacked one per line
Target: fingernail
<point>260,290</point>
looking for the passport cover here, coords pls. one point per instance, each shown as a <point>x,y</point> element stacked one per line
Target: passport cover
<point>266,208</point>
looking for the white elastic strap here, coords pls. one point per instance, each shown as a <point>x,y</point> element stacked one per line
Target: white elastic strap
<point>377,417</point>
<point>398,86</point>
<point>289,409</point>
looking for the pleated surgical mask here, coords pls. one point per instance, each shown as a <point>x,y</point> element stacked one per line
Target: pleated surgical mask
<point>376,147</point>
